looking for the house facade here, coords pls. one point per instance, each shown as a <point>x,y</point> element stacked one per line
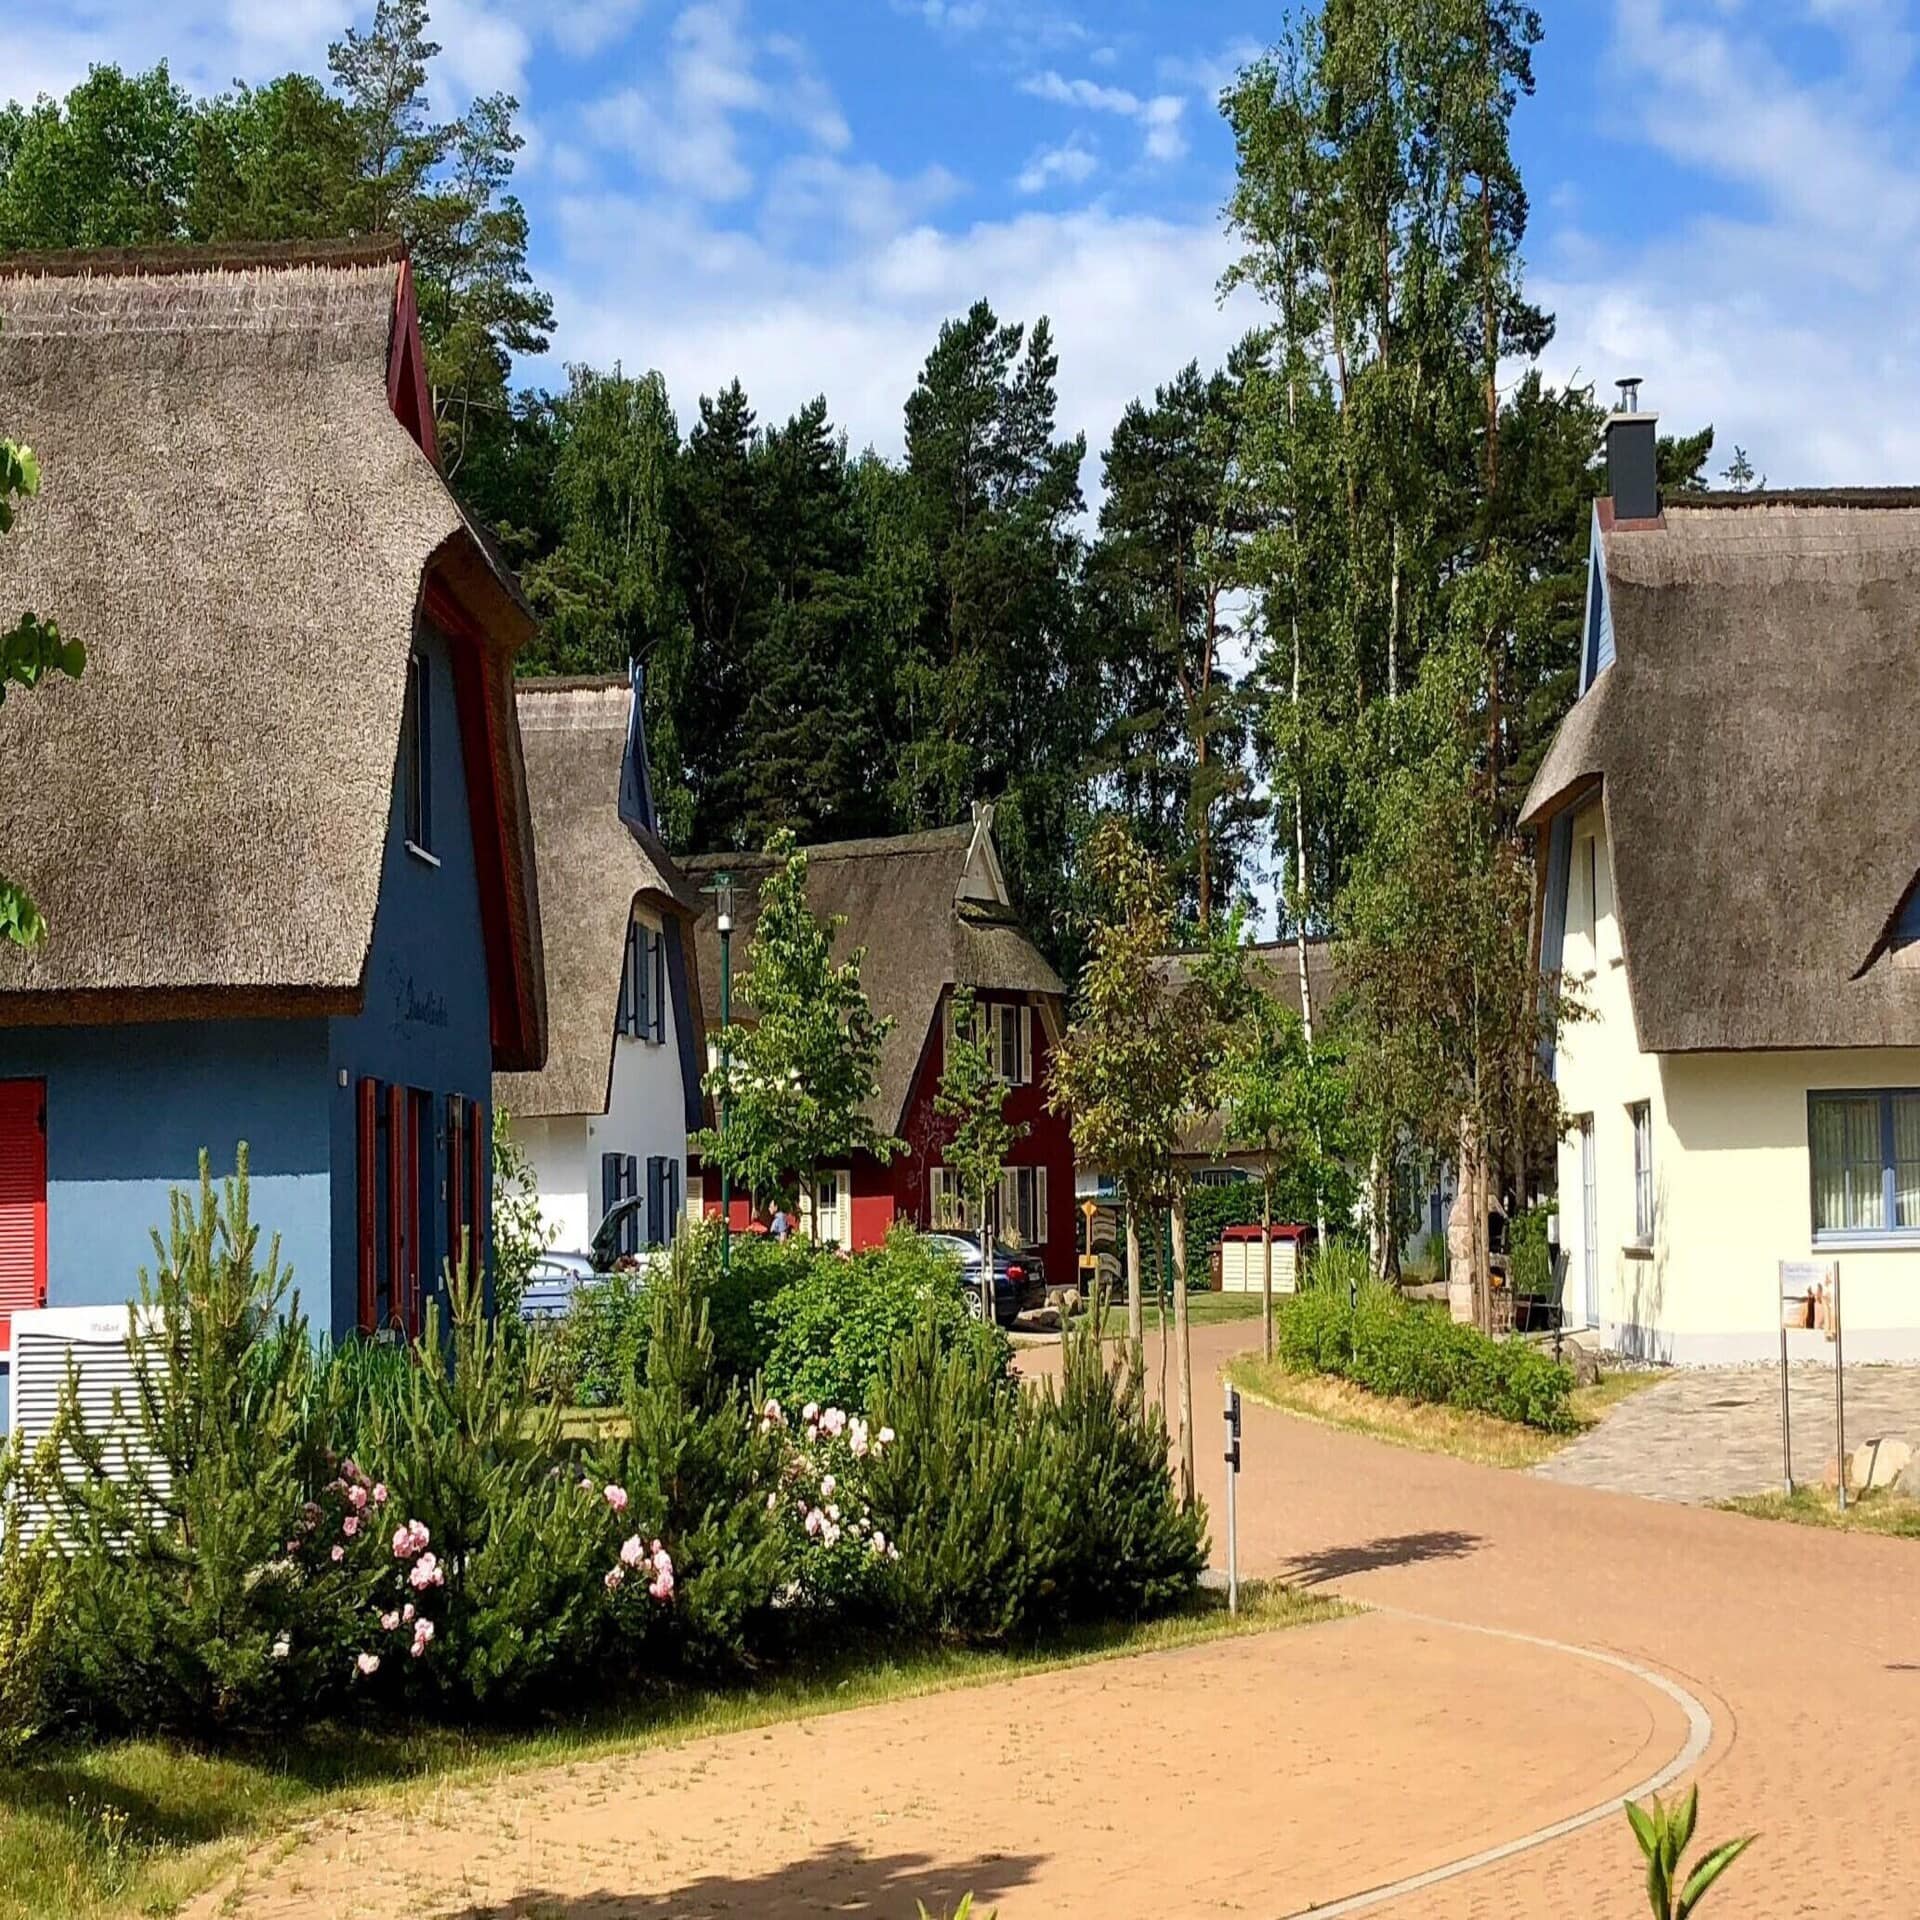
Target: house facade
<point>933,914</point>
<point>278,828</point>
<point>1729,850</point>
<point>607,1118</point>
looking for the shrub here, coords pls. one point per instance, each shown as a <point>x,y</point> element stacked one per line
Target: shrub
<point>833,1326</point>
<point>30,1617</point>
<point>838,1556</point>
<point>600,1348</point>
<point>1393,1346</point>
<point>1532,1271</point>
<point>1125,1546</point>
<point>199,1596</point>
<point>699,1469</point>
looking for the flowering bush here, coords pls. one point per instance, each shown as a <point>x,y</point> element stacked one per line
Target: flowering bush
<point>836,1553</point>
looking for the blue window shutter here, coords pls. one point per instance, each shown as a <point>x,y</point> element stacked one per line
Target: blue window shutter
<point>1906,929</point>
<point>630,1226</point>
<point>657,947</point>
<point>656,1199</point>
<point>609,1183</point>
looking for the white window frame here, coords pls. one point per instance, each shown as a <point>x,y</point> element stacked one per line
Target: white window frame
<point>827,1206</point>
<point>1640,1120</point>
<point>1008,1224</point>
<point>946,1203</point>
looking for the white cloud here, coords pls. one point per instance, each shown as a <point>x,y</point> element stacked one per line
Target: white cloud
<point>1159,115</point>
<point>1070,165</point>
<point>1131,299</point>
<point>682,126</point>
<point>1790,322</point>
<point>591,26</point>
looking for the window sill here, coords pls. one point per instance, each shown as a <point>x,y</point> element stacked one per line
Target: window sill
<point>1903,1242</point>
<point>1638,1250</point>
<point>420,853</point>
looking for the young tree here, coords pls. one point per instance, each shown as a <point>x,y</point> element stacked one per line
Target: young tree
<point>30,649</point>
<point>1125,1072</point>
<point>974,1097</point>
<point>804,1074</point>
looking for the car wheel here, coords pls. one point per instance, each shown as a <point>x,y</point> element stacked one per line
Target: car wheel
<point>976,1307</point>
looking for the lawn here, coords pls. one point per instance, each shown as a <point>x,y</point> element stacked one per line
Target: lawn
<point>1478,1437</point>
<point>1881,1512</point>
<point>140,1826</point>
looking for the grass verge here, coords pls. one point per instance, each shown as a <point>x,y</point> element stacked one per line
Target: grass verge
<point>1478,1437</point>
<point>1879,1512</point>
<point>140,1826</point>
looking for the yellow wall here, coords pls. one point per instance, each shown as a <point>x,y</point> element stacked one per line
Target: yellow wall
<point>1732,1181</point>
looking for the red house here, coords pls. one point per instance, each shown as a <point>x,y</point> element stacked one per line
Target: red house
<point>932,912</point>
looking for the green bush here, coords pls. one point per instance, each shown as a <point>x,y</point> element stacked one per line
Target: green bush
<point>832,1328</point>
<point>1210,1212</point>
<point>600,1347</point>
<point>1532,1272</point>
<point>30,1617</point>
<point>1393,1346</point>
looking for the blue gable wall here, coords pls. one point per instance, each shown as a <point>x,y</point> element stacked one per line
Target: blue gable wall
<point>128,1110</point>
<point>426,1022</point>
<point>1596,647</point>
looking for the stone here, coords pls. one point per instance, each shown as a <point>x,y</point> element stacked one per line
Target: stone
<point>1909,1481</point>
<point>1584,1366</point>
<point>1877,1463</point>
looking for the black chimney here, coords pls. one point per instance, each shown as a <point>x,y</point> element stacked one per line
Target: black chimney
<point>1633,481</point>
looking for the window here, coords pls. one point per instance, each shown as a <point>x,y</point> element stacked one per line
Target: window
<point>826,1209</point>
<point>416,756</point>
<point>1010,1042</point>
<point>1865,1150</point>
<point>1023,1206</point>
<point>643,985</point>
<point>394,1150</point>
<point>620,1180</point>
<point>949,1203</point>
<point>1641,1114</point>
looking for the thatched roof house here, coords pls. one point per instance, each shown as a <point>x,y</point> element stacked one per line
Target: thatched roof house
<point>931,911</point>
<point>1729,856</point>
<point>243,534</point>
<point>278,827</point>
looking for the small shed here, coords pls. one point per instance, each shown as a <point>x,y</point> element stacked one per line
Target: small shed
<point>1243,1265</point>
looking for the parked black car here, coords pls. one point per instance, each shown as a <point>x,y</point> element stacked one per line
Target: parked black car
<point>1018,1281</point>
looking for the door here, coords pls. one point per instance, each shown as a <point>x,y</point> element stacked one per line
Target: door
<point>1589,1302</point>
<point>23,1201</point>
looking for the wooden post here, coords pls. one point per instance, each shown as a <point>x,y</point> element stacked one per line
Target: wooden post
<point>1185,1378</point>
<point>1136,1302</point>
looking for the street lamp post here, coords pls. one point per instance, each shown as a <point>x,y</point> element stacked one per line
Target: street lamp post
<point>722,891</point>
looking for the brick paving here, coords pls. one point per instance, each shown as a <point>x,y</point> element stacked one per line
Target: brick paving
<point>1264,1776</point>
<point>1709,1433</point>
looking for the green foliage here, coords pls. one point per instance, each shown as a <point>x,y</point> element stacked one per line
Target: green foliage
<point>700,1471</point>
<point>32,1615</point>
<point>198,1598</point>
<point>518,1229</point>
<point>832,1329</point>
<point>1527,1244</point>
<point>30,649</point>
<point>1392,1346</point>
<point>600,1348</point>
<point>1211,1211</point>
<point>1664,1834</point>
<point>797,1083</point>
<point>974,1098</point>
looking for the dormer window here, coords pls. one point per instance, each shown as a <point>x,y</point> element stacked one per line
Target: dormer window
<point>416,758</point>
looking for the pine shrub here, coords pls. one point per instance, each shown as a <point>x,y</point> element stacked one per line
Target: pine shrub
<point>31,1615</point>
<point>1393,1346</point>
<point>698,1467</point>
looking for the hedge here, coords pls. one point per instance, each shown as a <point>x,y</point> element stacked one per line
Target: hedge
<point>1414,1351</point>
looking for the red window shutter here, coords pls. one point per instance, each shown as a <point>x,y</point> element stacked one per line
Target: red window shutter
<point>396,1204</point>
<point>366,1138</point>
<point>417,1109</point>
<point>23,1201</point>
<point>479,1164</point>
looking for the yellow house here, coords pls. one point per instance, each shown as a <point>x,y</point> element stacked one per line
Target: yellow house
<point>1730,831</point>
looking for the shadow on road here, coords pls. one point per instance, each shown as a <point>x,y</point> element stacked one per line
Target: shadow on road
<point>1391,1550</point>
<point>840,1878</point>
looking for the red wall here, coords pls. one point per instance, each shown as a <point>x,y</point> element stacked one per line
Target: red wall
<point>882,1194</point>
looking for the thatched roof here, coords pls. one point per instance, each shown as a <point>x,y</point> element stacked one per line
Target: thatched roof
<point>929,908</point>
<point>1753,746</point>
<point>593,868</point>
<point>1274,967</point>
<point>241,532</point>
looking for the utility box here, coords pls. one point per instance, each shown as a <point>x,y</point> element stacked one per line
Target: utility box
<point>1242,1260</point>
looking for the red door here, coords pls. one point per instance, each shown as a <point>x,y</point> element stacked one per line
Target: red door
<point>23,1201</point>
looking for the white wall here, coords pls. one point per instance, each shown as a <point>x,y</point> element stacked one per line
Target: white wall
<point>1731,1174</point>
<point>646,1115</point>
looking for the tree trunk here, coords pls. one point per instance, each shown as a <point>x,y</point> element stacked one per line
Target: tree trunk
<point>1181,1334</point>
<point>1136,1299</point>
<point>986,1266</point>
<point>1266,1259</point>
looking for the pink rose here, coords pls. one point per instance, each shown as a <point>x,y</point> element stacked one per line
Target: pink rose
<point>616,1498</point>
<point>406,1612</point>
<point>389,1622</point>
<point>631,1552</point>
<point>379,1494</point>
<point>368,1663</point>
<point>615,1578</point>
<point>339,1553</point>
<point>357,1499</point>
<point>422,1634</point>
<point>350,1525</point>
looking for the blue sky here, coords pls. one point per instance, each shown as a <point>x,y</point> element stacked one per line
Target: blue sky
<point>1726,198</point>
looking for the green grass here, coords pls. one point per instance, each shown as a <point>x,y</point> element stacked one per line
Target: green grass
<point>1478,1437</point>
<point>1879,1512</point>
<point>95,1832</point>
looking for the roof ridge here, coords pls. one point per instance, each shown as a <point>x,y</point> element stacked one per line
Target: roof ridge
<point>1859,498</point>
<point>368,250</point>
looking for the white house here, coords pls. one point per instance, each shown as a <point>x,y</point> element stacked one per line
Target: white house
<point>607,1118</point>
<point>1730,836</point>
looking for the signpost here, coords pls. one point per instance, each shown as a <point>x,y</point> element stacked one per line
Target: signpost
<point>1810,1302</point>
<point>1232,1416</point>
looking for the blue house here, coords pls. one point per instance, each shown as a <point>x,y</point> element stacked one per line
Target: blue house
<point>279,828</point>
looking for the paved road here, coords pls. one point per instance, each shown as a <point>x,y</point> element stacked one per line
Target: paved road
<point>1261,1776</point>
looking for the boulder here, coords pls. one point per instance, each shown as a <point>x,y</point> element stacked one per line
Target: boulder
<point>1584,1366</point>
<point>1909,1481</point>
<point>1878,1463</point>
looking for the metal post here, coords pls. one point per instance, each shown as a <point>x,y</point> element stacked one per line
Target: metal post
<point>1786,1409</point>
<point>723,890</point>
<point>1232,1416</point>
<point>1839,1385</point>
